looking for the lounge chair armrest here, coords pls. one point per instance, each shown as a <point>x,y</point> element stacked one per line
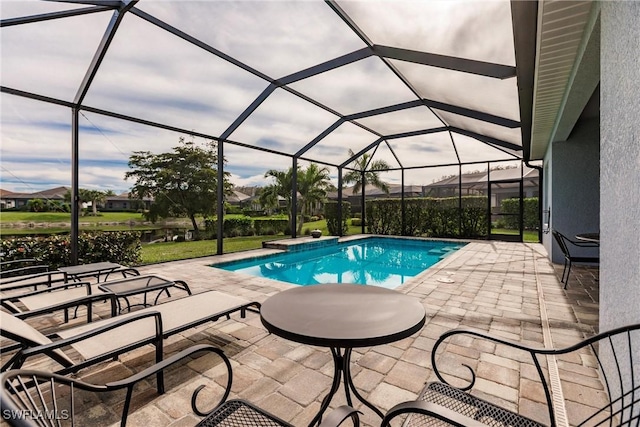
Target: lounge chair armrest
<point>17,261</point>
<point>338,415</point>
<point>48,289</point>
<point>432,410</point>
<point>128,271</point>
<point>119,322</point>
<point>75,302</point>
<point>19,281</point>
<point>21,271</point>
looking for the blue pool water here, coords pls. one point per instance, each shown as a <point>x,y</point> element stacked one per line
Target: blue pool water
<point>385,262</point>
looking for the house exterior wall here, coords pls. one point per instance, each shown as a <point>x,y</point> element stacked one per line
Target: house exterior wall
<point>574,176</point>
<point>620,164</point>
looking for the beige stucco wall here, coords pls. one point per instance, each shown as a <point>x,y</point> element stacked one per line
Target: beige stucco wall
<point>620,164</point>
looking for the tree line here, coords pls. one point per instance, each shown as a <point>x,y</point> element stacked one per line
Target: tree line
<point>184,182</point>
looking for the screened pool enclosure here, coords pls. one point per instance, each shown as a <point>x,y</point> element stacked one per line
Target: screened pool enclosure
<point>441,91</point>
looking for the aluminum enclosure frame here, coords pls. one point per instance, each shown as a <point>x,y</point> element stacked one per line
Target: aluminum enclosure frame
<point>120,9</point>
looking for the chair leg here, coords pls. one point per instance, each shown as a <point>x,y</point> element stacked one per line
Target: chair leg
<point>568,273</point>
<point>564,270</point>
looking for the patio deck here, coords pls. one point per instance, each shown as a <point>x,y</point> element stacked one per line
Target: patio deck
<point>508,289</point>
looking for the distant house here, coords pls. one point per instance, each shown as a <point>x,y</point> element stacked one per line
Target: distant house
<point>371,192</point>
<point>122,202</point>
<point>238,198</point>
<point>504,184</point>
<point>6,199</point>
<point>17,200</point>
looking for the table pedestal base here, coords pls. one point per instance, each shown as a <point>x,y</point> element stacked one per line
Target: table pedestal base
<point>342,373</point>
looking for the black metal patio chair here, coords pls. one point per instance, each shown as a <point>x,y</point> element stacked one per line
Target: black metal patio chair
<point>441,404</point>
<point>565,243</point>
<point>33,398</point>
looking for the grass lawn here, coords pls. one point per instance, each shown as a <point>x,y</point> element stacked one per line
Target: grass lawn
<point>171,251</point>
<point>38,217</point>
<point>529,236</point>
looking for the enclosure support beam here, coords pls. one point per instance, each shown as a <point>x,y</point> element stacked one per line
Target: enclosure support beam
<point>464,65</point>
<point>107,38</point>
<point>220,200</point>
<point>54,15</point>
<point>75,181</point>
<point>340,224</point>
<point>402,207</point>
<point>459,200</point>
<point>362,208</point>
<point>294,198</point>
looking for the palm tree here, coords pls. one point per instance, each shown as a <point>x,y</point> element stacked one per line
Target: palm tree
<point>95,196</point>
<point>85,196</point>
<point>281,187</point>
<point>370,176</point>
<point>313,184</point>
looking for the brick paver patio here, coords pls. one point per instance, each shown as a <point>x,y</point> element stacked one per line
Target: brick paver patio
<point>508,289</point>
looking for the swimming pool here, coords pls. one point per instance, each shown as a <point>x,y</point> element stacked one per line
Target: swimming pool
<point>379,261</point>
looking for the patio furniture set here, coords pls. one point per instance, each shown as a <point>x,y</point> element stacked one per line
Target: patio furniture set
<point>338,316</point>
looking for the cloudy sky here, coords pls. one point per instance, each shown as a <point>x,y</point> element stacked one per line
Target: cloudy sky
<point>153,75</point>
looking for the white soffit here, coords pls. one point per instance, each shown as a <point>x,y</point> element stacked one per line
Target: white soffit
<point>562,27</point>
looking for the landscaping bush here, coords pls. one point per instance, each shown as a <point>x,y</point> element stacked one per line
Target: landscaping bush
<point>234,227</point>
<point>357,222</point>
<point>427,216</point>
<point>270,226</point>
<point>331,214</point>
<point>531,217</point>
<point>122,247</point>
<point>251,212</point>
<point>231,209</point>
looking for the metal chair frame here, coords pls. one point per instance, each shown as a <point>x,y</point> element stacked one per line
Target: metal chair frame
<point>562,241</point>
<point>33,398</point>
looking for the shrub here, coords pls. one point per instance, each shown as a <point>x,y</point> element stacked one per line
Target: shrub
<point>122,247</point>
<point>356,222</point>
<point>531,217</point>
<point>436,217</point>
<point>231,209</point>
<point>273,225</point>
<point>234,227</point>
<point>331,214</point>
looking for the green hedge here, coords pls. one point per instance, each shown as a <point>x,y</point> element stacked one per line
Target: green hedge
<point>247,226</point>
<point>270,226</point>
<point>122,247</point>
<point>331,214</point>
<point>241,226</point>
<point>531,217</point>
<point>428,216</point>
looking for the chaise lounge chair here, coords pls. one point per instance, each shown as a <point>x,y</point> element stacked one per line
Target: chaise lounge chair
<point>108,338</point>
<point>21,267</point>
<point>51,299</point>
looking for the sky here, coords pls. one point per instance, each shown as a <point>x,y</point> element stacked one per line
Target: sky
<point>153,75</point>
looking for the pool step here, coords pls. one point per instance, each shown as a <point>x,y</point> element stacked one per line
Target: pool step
<point>301,243</point>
